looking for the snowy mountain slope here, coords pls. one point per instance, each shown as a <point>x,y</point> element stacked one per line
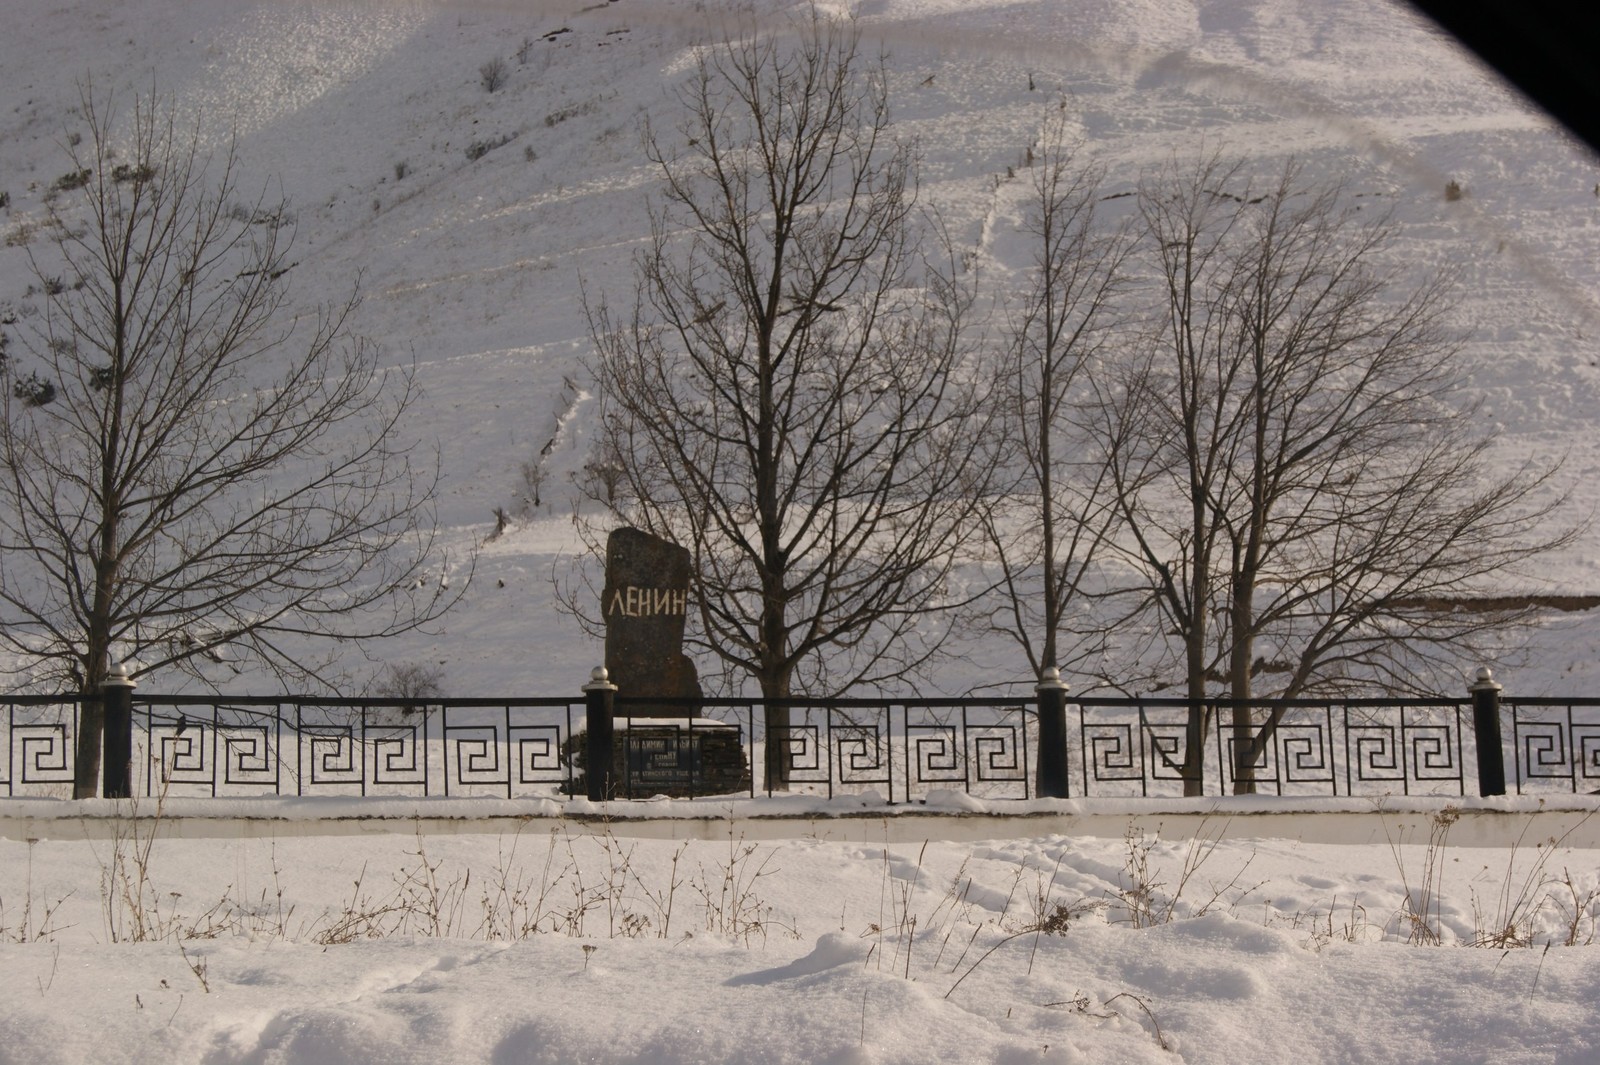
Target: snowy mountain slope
<point>471,267</point>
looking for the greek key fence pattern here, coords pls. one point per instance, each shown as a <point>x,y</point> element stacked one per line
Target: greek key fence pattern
<point>39,735</point>
<point>1556,741</point>
<point>899,750</point>
<point>1354,747</point>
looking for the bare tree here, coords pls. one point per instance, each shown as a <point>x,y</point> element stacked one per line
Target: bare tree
<point>785,384</point>
<point>217,478</point>
<point>412,685</point>
<point>1047,525</point>
<point>493,73</point>
<point>1300,480</point>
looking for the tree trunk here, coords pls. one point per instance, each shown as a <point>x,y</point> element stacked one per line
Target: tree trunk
<point>91,729</point>
<point>1199,723</point>
<point>1240,655</point>
<point>779,755</point>
<point>91,719</point>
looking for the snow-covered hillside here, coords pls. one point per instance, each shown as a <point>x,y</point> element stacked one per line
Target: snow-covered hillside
<point>373,118</point>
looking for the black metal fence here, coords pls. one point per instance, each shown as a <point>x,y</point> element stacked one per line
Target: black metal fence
<point>330,746</point>
<point>1555,743</point>
<point>901,750</point>
<point>1347,747</point>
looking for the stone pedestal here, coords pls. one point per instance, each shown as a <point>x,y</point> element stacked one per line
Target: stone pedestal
<point>679,759</point>
<point>682,758</point>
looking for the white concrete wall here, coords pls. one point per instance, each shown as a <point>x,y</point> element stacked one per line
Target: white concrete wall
<point>1520,821</point>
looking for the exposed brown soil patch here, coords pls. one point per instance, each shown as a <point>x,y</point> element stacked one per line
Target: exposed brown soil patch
<point>1499,604</point>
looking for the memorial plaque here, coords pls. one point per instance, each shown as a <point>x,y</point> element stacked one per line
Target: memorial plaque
<point>687,758</point>
<point>698,758</point>
<point>658,759</point>
<point>646,604</point>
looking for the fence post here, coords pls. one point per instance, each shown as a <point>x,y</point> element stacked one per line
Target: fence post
<point>1486,728</point>
<point>598,695</point>
<point>116,701</point>
<point>1050,777</point>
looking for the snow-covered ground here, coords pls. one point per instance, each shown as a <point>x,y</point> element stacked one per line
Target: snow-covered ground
<point>804,949</point>
<point>555,942</point>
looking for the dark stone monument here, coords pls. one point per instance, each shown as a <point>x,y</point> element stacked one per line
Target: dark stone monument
<point>646,604</point>
<point>662,748</point>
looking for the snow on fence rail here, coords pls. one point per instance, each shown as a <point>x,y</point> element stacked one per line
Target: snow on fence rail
<point>900,749</point>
